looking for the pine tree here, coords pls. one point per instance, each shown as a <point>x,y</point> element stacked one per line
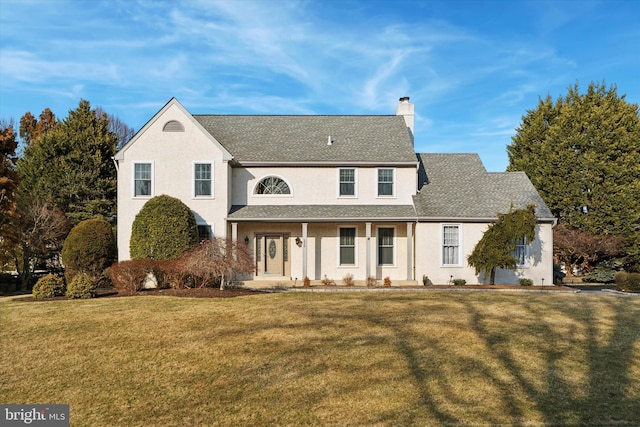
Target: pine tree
<point>71,166</point>
<point>582,153</point>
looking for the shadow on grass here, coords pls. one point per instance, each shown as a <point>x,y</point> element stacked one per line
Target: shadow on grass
<point>609,355</point>
<point>605,344</point>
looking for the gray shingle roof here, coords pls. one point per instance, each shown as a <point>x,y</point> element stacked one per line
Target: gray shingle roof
<point>312,213</point>
<point>458,186</point>
<point>379,139</point>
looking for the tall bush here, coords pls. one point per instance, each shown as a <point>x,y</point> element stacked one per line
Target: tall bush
<point>89,248</point>
<point>163,229</point>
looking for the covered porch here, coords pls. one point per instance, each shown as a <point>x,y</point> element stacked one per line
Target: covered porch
<point>323,242</point>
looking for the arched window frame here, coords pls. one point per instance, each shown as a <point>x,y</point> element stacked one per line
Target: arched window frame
<point>255,188</point>
<point>173,126</point>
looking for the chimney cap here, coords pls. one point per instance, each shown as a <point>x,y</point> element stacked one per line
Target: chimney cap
<point>404,99</point>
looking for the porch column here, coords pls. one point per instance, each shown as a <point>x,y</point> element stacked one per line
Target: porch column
<point>234,231</point>
<point>409,251</point>
<point>368,248</point>
<point>304,249</point>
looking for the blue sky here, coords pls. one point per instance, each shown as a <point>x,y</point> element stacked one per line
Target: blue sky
<point>472,68</point>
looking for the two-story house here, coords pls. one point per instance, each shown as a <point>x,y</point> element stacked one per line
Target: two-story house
<point>327,195</point>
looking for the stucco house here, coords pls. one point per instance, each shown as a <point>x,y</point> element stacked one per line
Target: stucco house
<point>326,196</point>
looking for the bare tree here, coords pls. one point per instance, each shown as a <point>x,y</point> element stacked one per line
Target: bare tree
<point>36,238</point>
<point>574,247</point>
<point>217,260</point>
<point>117,126</point>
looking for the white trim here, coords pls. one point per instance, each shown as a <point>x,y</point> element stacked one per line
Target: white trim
<point>355,183</point>
<point>355,248</point>
<point>193,179</point>
<point>226,156</point>
<point>395,246</point>
<point>460,251</point>
<point>258,181</point>
<point>133,179</point>
<point>393,184</point>
<point>527,252</point>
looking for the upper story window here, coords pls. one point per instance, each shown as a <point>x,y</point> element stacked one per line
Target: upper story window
<point>451,245</point>
<point>173,126</point>
<point>142,179</point>
<point>202,180</point>
<point>347,182</point>
<point>272,185</point>
<point>386,182</point>
<point>522,252</point>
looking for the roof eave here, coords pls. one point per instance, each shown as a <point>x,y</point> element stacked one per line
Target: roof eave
<point>323,163</point>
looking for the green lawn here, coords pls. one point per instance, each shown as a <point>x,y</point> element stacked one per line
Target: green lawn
<point>425,359</point>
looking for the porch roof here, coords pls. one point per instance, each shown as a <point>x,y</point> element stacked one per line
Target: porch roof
<point>322,213</point>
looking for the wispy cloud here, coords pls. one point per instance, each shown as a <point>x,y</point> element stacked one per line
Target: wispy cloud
<point>471,68</point>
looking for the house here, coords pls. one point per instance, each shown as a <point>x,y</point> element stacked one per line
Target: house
<point>326,196</point>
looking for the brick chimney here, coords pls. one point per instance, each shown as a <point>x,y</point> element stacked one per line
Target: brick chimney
<point>405,109</point>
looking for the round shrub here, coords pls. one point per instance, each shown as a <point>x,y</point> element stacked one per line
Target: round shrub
<point>81,286</point>
<point>48,286</point>
<point>163,229</point>
<point>89,248</point>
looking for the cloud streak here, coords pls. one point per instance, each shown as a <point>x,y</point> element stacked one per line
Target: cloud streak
<point>472,69</point>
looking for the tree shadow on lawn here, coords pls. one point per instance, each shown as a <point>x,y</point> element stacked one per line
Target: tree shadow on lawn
<point>560,337</point>
<point>608,357</point>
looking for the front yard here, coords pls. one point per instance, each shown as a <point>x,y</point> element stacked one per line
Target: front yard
<point>436,358</point>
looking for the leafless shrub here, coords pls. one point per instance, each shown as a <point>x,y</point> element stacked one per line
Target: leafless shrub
<point>347,280</point>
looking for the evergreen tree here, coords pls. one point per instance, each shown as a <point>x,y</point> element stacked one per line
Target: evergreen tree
<point>497,247</point>
<point>582,153</point>
<point>71,165</point>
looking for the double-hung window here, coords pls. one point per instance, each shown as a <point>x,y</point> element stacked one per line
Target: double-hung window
<point>347,183</point>
<point>142,180</point>
<point>451,245</point>
<point>347,246</point>
<point>385,246</point>
<point>385,182</point>
<point>202,180</point>
<point>521,252</point>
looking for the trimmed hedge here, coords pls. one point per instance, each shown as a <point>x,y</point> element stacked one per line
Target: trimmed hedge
<point>81,286</point>
<point>48,286</point>
<point>163,229</point>
<point>205,265</point>
<point>89,248</point>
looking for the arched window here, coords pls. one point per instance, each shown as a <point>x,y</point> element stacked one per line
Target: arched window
<point>173,126</point>
<point>272,185</point>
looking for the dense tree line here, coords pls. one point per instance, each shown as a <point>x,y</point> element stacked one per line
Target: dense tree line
<point>64,176</point>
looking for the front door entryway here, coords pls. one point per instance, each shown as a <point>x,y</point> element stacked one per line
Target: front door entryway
<point>273,255</point>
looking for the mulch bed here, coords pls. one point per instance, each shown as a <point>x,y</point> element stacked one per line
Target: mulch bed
<point>238,292</point>
<point>190,293</point>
